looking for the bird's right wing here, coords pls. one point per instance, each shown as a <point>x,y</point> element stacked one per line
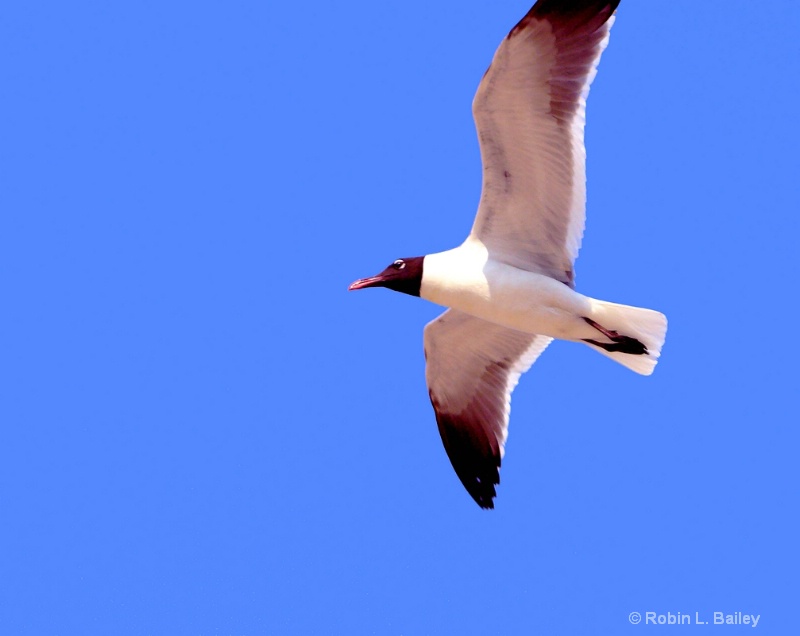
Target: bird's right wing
<point>472,368</point>
<point>530,111</point>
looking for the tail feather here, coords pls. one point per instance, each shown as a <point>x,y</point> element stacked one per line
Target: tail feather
<point>634,325</point>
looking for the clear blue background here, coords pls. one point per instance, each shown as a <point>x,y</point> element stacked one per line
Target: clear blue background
<point>204,433</point>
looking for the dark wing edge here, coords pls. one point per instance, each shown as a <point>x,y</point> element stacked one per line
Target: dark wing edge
<point>474,451</point>
<point>569,15</point>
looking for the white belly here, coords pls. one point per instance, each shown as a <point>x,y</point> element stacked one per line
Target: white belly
<point>505,295</point>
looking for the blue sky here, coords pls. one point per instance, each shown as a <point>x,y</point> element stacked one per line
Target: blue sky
<point>204,433</point>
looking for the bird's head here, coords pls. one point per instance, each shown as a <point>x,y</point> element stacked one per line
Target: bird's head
<point>404,275</point>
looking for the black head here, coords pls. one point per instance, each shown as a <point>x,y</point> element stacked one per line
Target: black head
<point>404,275</point>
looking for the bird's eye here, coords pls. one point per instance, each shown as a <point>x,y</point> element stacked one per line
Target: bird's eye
<point>399,264</point>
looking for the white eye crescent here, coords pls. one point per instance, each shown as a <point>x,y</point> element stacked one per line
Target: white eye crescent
<point>399,264</point>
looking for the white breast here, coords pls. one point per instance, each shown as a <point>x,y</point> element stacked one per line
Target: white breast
<point>466,279</point>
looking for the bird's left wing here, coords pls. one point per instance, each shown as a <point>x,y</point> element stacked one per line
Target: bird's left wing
<point>472,368</point>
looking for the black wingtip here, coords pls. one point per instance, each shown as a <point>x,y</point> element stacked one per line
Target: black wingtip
<point>476,461</point>
<point>485,505</point>
<point>568,8</point>
<point>569,14</point>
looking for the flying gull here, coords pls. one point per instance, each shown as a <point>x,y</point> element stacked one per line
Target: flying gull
<point>509,287</point>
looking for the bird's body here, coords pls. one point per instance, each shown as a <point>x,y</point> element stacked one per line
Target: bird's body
<point>509,287</point>
<point>468,279</point>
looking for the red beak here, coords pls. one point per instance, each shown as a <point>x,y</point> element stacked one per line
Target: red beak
<point>361,283</point>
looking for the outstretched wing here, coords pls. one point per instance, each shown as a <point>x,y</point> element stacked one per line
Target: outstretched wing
<point>530,113</point>
<point>472,368</point>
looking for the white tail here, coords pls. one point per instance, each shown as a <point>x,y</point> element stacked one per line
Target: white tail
<point>645,325</point>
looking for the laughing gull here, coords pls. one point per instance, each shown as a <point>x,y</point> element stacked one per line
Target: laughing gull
<point>510,286</point>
